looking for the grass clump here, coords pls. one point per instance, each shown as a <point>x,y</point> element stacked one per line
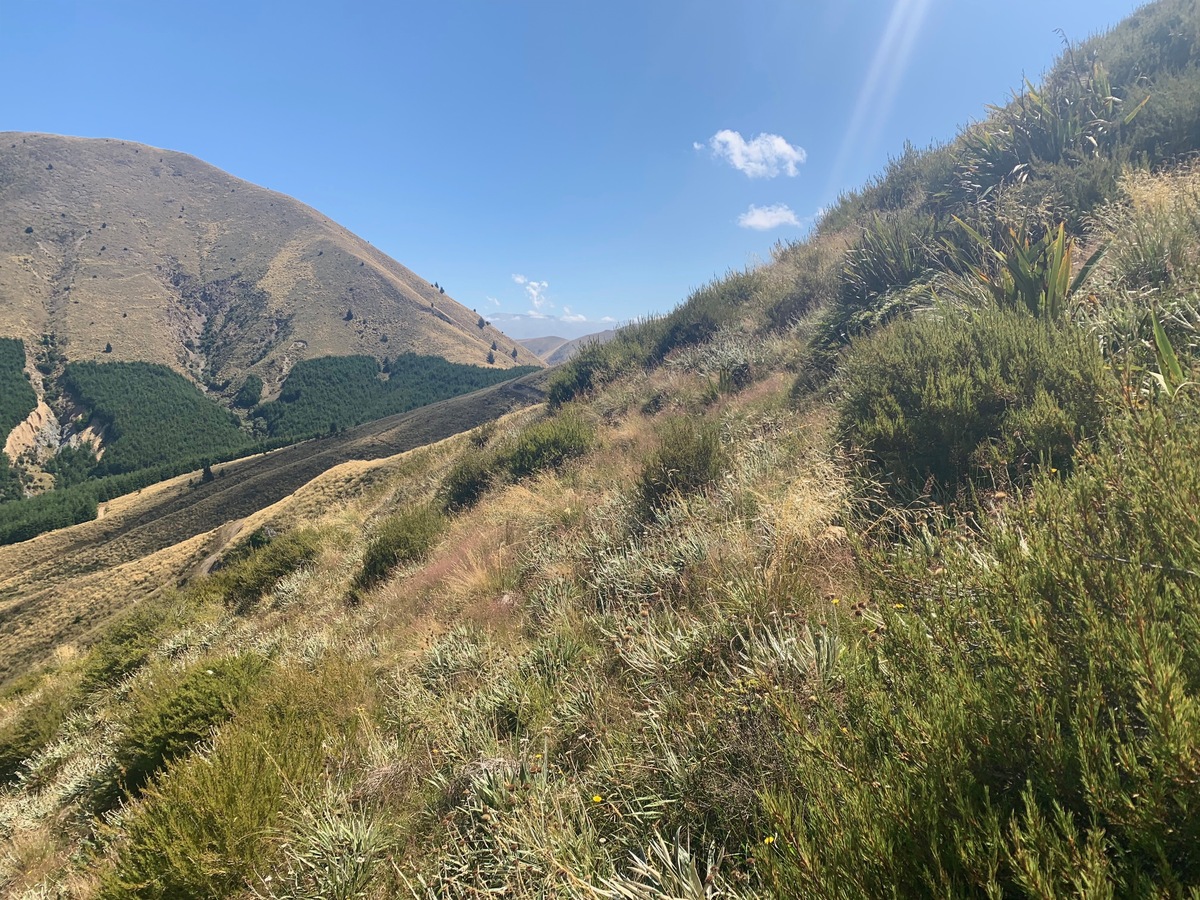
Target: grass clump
<point>939,401</point>
<point>689,458</point>
<point>400,539</point>
<point>171,715</point>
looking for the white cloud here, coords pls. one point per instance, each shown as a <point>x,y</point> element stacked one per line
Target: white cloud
<point>569,316</point>
<point>493,301</point>
<point>536,291</point>
<point>764,218</point>
<point>763,156</point>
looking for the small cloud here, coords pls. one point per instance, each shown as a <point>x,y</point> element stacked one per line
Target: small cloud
<point>535,289</point>
<point>764,218</point>
<point>607,319</point>
<point>763,156</point>
<point>493,301</point>
<point>569,316</point>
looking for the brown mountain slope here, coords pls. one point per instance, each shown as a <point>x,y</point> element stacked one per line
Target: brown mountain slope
<point>170,260</point>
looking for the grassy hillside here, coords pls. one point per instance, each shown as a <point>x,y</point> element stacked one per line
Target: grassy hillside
<point>59,585</point>
<point>116,252</point>
<point>873,571</point>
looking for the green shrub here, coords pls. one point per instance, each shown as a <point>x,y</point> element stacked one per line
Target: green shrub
<point>1026,721</point>
<point>594,365</point>
<point>468,480</point>
<point>399,539</point>
<point>212,823</point>
<point>547,444</point>
<point>941,399</point>
<point>689,458</point>
<point>34,727</point>
<point>171,716</point>
<point>125,645</point>
<point>257,570</point>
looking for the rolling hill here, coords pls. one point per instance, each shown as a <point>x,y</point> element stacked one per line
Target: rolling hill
<point>128,252</point>
<point>554,350</point>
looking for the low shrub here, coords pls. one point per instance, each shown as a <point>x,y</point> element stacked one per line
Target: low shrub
<point>399,539</point>
<point>128,642</point>
<point>208,827</point>
<point>939,400</point>
<point>34,727</point>
<point>689,458</point>
<point>170,716</point>
<point>1024,720</point>
<point>467,481</point>
<point>257,569</point>
<point>547,444</point>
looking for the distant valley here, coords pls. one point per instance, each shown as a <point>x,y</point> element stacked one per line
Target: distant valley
<point>158,315</point>
<point>554,350</point>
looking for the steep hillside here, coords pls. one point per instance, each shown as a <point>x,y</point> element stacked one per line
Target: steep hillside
<point>56,586</point>
<point>873,571</point>
<point>128,252</point>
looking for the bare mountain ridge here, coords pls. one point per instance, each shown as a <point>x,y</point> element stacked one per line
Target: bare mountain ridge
<point>128,252</point>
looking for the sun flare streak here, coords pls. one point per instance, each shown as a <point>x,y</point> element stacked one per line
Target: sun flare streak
<point>883,79</point>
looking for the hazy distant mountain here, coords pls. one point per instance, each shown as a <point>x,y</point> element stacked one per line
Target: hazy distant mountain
<point>128,252</point>
<point>524,326</point>
<point>554,350</point>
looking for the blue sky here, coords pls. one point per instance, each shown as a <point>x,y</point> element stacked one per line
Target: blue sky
<point>581,161</point>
